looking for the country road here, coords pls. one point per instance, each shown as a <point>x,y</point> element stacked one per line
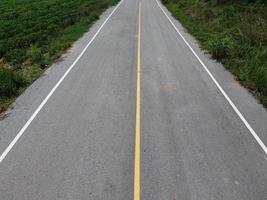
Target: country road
<point>135,110</point>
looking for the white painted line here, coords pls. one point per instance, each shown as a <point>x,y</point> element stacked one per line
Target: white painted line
<point>20,133</point>
<point>218,85</point>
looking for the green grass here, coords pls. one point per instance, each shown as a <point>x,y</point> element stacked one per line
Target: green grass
<point>234,34</point>
<point>34,33</point>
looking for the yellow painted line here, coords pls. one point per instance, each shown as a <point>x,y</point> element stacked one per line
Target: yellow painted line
<point>138,117</point>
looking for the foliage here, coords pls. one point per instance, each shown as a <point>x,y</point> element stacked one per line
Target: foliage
<point>220,46</point>
<point>33,33</point>
<point>34,54</point>
<point>10,81</point>
<point>234,32</point>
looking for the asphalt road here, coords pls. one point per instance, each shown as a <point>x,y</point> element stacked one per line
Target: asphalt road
<point>80,142</point>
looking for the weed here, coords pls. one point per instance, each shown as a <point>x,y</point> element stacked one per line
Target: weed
<point>33,33</point>
<point>10,81</point>
<point>34,54</point>
<point>234,33</point>
<point>220,46</point>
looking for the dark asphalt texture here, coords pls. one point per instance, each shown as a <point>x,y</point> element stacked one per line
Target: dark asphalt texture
<point>81,144</point>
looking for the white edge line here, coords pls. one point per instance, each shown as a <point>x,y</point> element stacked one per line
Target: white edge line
<point>20,133</point>
<point>218,85</point>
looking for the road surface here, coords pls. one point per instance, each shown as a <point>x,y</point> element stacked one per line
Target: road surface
<point>135,111</point>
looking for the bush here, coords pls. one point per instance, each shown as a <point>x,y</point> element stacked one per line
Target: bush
<point>34,54</point>
<point>34,33</point>
<point>15,56</point>
<point>94,16</point>
<point>10,82</point>
<point>220,46</point>
<point>234,33</point>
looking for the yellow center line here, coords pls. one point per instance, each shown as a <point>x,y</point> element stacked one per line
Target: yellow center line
<point>138,117</point>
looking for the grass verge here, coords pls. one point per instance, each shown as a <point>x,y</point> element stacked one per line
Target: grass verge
<point>233,33</point>
<point>34,33</point>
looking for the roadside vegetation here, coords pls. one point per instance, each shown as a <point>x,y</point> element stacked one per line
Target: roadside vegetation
<point>234,32</point>
<point>34,33</point>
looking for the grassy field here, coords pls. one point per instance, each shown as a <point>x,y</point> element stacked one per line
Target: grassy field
<point>233,33</point>
<point>33,33</point>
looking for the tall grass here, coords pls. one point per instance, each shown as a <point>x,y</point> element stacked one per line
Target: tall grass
<point>233,33</point>
<point>33,33</point>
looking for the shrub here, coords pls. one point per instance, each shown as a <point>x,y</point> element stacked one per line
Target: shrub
<point>34,33</point>
<point>15,56</point>
<point>220,46</point>
<point>234,33</point>
<point>94,16</point>
<point>34,54</point>
<point>10,82</point>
